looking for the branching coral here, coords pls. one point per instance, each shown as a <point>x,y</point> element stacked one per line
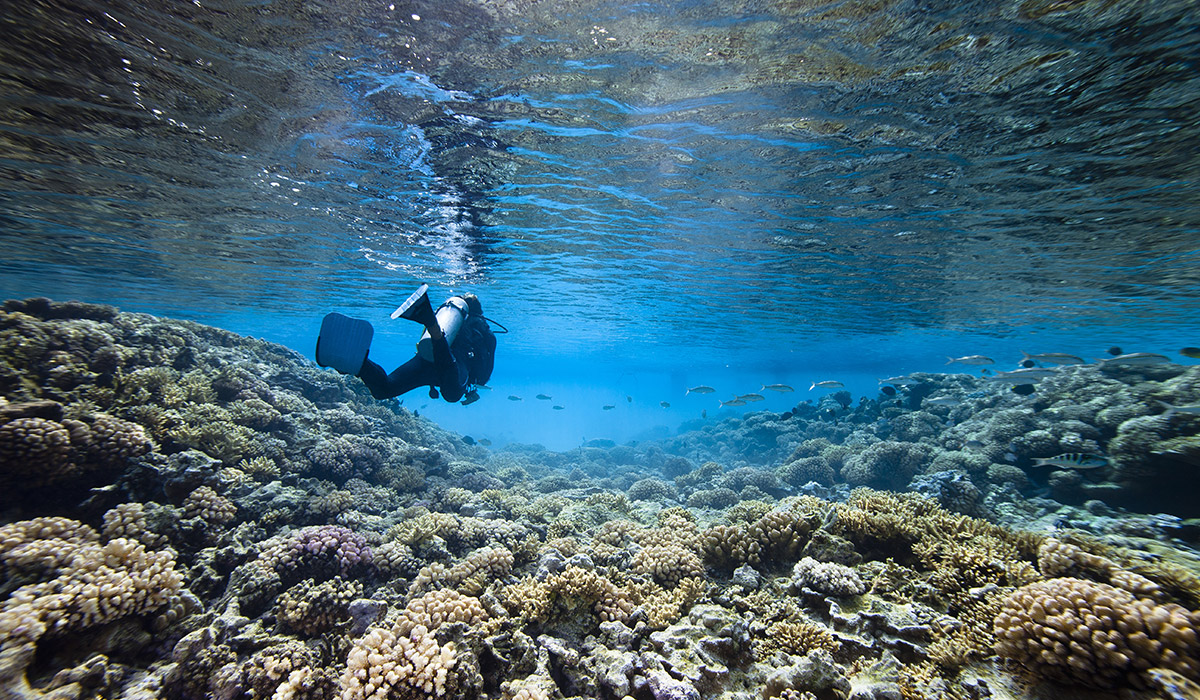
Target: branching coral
<point>1094,634</point>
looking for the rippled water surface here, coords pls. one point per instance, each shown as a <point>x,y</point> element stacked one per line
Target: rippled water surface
<point>651,195</point>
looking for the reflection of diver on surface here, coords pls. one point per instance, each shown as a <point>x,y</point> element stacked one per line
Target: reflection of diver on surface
<point>455,354</point>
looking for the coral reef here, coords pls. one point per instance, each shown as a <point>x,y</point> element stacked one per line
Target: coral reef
<point>246,526</point>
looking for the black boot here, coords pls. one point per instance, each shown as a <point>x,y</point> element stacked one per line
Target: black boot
<point>417,308</point>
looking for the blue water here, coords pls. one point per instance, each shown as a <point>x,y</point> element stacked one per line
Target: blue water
<point>650,196</point>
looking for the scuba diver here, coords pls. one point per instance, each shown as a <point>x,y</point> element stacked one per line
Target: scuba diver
<point>455,354</point>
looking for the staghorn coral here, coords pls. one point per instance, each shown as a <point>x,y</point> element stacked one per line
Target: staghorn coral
<point>1094,634</point>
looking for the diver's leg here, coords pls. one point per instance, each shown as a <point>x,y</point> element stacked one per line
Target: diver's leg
<point>451,377</point>
<point>447,374</point>
<point>408,376</point>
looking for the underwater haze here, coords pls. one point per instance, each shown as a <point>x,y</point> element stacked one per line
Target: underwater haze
<point>650,196</point>
<point>852,350</point>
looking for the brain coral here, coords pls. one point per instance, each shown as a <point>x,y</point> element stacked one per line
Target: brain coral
<point>1094,634</point>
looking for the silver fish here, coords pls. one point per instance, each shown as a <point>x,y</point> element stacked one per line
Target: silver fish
<point>733,402</point>
<point>1054,358</point>
<point>664,404</point>
<point>970,360</point>
<point>752,397</point>
<point>702,389</point>
<point>1135,359</point>
<point>942,401</point>
<point>544,397</point>
<point>1192,409</point>
<point>609,407</point>
<point>781,388</point>
<point>514,397</point>
<point>1073,460</point>
<point>900,381</point>
<point>558,408</point>
<point>826,385</point>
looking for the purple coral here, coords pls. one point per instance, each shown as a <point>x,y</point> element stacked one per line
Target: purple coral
<point>321,544</point>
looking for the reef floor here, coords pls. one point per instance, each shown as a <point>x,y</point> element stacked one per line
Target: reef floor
<point>192,514</point>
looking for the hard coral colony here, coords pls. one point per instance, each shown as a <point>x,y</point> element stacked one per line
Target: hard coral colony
<point>199,515</point>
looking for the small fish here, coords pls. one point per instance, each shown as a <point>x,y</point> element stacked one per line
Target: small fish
<point>514,397</point>
<point>900,381</point>
<point>1054,358</point>
<point>543,397</point>
<point>826,385</point>
<point>704,413</point>
<point>942,401</point>
<point>483,386</point>
<point>752,397</point>
<point>1021,376</point>
<point>629,399</point>
<point>468,439</point>
<point>609,407</point>
<point>1190,352</point>
<point>733,402</point>
<point>1028,364</point>
<point>1023,389</point>
<point>1136,359</point>
<point>1192,409</point>
<point>970,360</point>
<point>664,404</point>
<point>973,445</point>
<point>784,388</point>
<point>700,390</point>
<point>888,390</point>
<point>1115,350</point>
<point>1010,456</point>
<point>1074,460</point>
<point>557,407</point>
<point>485,442</point>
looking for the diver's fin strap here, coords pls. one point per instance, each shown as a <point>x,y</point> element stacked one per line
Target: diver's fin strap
<point>343,343</point>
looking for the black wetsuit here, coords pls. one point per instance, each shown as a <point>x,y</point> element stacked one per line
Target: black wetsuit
<point>454,370</point>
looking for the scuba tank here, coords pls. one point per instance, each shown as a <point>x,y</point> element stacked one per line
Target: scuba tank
<point>450,316</point>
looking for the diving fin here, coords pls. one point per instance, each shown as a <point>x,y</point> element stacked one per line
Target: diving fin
<point>416,307</point>
<point>343,343</point>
